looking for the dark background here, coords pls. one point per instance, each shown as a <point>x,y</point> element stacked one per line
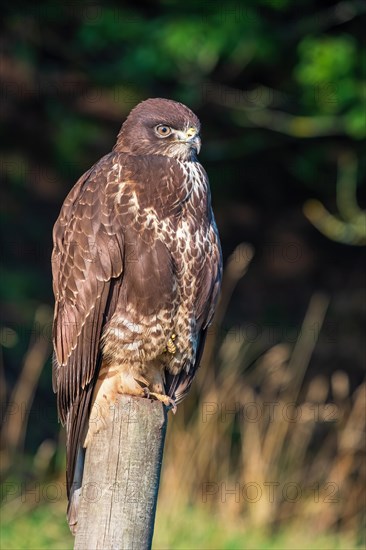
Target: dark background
<point>279,87</point>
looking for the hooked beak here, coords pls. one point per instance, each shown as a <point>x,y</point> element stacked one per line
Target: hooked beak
<point>196,143</point>
<point>191,137</point>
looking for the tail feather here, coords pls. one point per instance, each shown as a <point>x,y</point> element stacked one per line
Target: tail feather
<point>73,510</point>
<point>76,428</point>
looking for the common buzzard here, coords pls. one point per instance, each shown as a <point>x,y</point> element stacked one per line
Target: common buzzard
<point>136,273</point>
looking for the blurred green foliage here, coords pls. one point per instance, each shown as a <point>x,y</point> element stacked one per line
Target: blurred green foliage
<point>194,529</point>
<point>327,74</point>
<point>279,87</point>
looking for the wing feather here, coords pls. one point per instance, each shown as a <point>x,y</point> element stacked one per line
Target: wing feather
<point>87,261</point>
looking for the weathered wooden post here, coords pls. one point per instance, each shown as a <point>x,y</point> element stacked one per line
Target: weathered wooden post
<point>121,478</point>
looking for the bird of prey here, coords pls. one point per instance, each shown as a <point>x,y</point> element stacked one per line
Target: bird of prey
<point>137,269</point>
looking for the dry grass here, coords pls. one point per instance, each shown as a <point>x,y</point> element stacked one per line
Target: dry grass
<point>257,444</point>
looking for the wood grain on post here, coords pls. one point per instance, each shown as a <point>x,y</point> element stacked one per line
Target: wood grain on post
<point>121,478</point>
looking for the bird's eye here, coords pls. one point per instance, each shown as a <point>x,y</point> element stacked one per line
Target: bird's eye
<point>163,130</point>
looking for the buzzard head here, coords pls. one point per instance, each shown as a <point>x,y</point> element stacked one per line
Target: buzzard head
<point>160,127</point>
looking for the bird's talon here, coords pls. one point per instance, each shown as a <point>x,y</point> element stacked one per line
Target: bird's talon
<point>168,401</point>
<point>171,347</point>
<point>146,392</point>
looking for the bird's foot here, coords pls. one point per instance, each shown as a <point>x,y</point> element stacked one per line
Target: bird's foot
<point>168,401</point>
<point>171,347</point>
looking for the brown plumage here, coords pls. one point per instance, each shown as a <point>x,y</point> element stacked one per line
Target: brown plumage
<point>136,273</point>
